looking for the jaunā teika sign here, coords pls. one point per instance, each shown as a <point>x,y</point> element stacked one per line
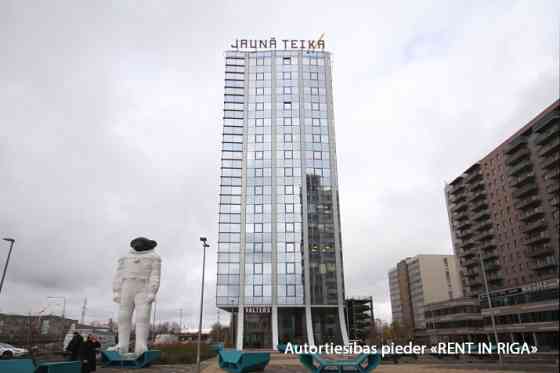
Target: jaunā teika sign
<point>272,43</point>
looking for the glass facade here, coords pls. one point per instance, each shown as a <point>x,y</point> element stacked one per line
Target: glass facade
<point>279,225</point>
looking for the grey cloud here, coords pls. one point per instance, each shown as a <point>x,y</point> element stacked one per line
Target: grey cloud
<point>110,129</point>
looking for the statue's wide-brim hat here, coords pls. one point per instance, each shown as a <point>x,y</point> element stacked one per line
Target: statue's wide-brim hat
<point>142,244</point>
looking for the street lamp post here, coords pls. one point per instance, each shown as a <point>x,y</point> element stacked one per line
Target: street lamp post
<point>11,241</point>
<point>204,246</point>
<point>483,267</point>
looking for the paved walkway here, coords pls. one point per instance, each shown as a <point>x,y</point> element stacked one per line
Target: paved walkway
<point>293,366</point>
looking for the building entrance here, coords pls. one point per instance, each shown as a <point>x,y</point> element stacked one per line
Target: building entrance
<point>257,330</point>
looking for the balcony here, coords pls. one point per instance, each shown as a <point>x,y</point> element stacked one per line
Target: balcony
<point>457,199</point>
<point>551,162</point>
<point>552,186</point>
<point>476,176</point>
<point>493,267</point>
<point>459,207</point>
<point>544,263</point>
<point>520,167</point>
<point>525,190</point>
<point>516,144</point>
<point>534,226</point>
<point>468,244</point>
<point>477,206</point>
<point>463,224</point>
<point>494,277</point>
<point>487,234</point>
<point>471,273</point>
<point>478,196</point>
<point>481,215</point>
<point>464,234</point>
<point>483,225</point>
<point>553,174</point>
<point>536,238</point>
<point>550,147</point>
<point>522,154</point>
<point>467,255</point>
<point>460,216</point>
<point>545,136</point>
<point>555,201</point>
<point>487,245</point>
<point>528,202</point>
<point>530,214</point>
<point>456,189</point>
<point>540,250</point>
<point>490,255</point>
<point>470,262</point>
<point>522,179</point>
<point>474,282</point>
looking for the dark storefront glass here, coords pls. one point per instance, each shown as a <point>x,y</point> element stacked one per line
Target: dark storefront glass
<point>326,326</point>
<point>291,325</point>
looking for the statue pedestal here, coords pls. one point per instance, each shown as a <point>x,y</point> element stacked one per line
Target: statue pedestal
<point>118,360</point>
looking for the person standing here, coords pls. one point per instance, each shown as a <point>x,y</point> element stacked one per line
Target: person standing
<point>93,345</point>
<point>88,354</point>
<point>74,346</point>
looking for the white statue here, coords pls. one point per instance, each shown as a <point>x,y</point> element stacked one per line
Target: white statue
<point>135,285</point>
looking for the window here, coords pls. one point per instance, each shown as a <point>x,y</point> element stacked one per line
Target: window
<point>315,106</point>
<point>288,171</point>
<point>287,121</point>
<point>288,137</point>
<point>259,155</point>
<point>258,268</point>
<point>290,268</point>
<point>290,227</point>
<point>317,155</point>
<point>286,75</point>
<point>287,90</point>
<point>289,208</point>
<point>260,91</point>
<point>259,172</point>
<point>314,75</point>
<point>313,61</point>
<point>288,154</point>
<point>287,105</point>
<point>287,60</point>
<point>258,209</point>
<point>315,122</point>
<point>259,106</point>
<point>260,76</point>
<point>290,247</point>
<point>260,61</point>
<point>257,290</point>
<point>316,138</point>
<point>258,190</point>
<point>258,247</point>
<point>314,91</point>
<point>290,290</point>
<point>259,122</point>
<point>258,228</point>
<point>288,189</point>
<point>260,138</point>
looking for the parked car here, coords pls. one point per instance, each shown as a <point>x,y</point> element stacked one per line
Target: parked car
<point>8,351</point>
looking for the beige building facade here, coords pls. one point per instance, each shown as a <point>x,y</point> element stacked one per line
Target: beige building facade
<point>420,280</point>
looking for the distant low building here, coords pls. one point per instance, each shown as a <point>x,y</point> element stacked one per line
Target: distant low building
<point>420,280</point>
<point>525,314</point>
<point>26,330</point>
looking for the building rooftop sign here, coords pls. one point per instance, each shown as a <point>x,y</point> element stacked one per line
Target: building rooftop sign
<point>272,43</point>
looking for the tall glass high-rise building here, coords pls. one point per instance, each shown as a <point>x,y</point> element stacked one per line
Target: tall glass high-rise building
<point>280,269</point>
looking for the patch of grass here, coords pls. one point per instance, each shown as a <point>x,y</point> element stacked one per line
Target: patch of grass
<point>184,353</point>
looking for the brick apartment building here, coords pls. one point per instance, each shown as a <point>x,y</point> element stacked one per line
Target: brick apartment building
<point>504,218</point>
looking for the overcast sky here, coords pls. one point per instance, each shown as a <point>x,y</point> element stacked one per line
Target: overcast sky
<point>110,129</point>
